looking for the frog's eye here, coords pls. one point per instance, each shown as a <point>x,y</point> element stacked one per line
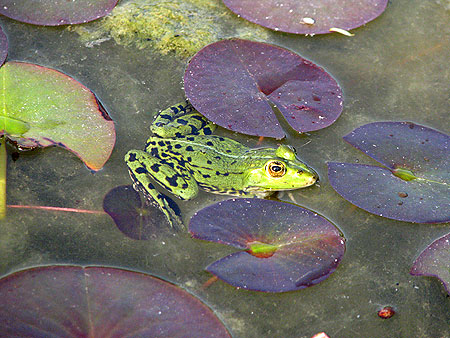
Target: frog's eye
<point>275,168</point>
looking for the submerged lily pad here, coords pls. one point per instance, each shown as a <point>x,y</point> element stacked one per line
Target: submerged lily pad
<point>72,301</point>
<point>3,47</point>
<point>284,247</point>
<point>43,107</point>
<point>235,83</point>
<point>414,185</point>
<point>56,12</point>
<point>135,218</point>
<point>434,261</point>
<point>308,17</point>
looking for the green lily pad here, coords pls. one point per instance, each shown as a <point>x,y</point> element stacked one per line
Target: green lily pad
<point>42,107</point>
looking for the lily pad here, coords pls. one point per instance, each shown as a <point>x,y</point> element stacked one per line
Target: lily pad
<point>284,247</point>
<point>413,185</point>
<point>56,12</point>
<point>235,83</point>
<point>308,17</point>
<point>43,107</point>
<point>135,218</point>
<point>72,301</point>
<point>3,47</point>
<point>434,261</point>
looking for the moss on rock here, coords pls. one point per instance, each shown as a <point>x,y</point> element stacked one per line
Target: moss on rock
<point>178,26</point>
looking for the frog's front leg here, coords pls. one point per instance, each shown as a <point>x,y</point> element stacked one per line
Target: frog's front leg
<point>144,168</point>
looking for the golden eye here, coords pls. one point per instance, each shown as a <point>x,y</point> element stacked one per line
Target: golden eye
<point>275,168</point>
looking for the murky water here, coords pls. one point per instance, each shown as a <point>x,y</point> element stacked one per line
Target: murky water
<point>394,68</point>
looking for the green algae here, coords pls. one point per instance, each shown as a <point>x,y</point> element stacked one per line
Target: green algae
<point>180,27</point>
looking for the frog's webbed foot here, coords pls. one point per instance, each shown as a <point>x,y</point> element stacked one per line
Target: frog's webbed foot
<point>163,203</point>
<point>158,200</point>
<point>180,120</point>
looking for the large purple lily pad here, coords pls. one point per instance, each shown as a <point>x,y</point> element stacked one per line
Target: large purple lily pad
<point>3,47</point>
<point>308,17</point>
<point>56,12</point>
<point>434,261</point>
<point>413,185</point>
<point>72,301</point>
<point>235,83</point>
<point>135,218</point>
<point>43,107</point>
<point>284,247</point>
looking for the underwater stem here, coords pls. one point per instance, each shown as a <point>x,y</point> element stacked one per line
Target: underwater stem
<point>2,177</point>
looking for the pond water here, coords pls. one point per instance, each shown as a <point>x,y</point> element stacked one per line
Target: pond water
<point>394,68</point>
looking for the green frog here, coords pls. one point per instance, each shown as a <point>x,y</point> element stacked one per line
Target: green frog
<point>184,157</point>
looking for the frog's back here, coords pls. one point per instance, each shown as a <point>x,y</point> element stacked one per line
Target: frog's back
<point>216,163</point>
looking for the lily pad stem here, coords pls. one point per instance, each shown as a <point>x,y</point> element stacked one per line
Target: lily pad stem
<point>2,177</point>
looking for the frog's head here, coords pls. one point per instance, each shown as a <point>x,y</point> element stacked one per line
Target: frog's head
<point>281,172</point>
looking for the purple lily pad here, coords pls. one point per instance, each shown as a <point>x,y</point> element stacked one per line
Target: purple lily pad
<point>3,47</point>
<point>308,17</point>
<point>285,247</point>
<point>434,261</point>
<point>72,301</point>
<point>414,185</point>
<point>44,107</point>
<point>135,218</point>
<point>56,12</point>
<point>235,83</point>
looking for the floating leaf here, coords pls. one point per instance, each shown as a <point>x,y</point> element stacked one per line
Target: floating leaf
<point>308,17</point>
<point>71,301</point>
<point>43,107</point>
<point>56,12</point>
<point>434,261</point>
<point>235,83</point>
<point>3,47</point>
<point>134,218</point>
<point>414,186</point>
<point>284,247</point>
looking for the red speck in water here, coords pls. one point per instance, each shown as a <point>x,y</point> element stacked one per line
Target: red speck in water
<point>386,312</point>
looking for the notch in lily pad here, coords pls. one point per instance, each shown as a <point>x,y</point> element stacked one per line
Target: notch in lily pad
<point>434,261</point>
<point>413,182</point>
<point>236,83</point>
<point>43,107</point>
<point>56,12</point>
<point>283,247</point>
<point>75,301</point>
<point>308,17</point>
<point>135,218</point>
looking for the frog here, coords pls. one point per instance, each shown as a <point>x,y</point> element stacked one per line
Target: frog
<point>183,156</point>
